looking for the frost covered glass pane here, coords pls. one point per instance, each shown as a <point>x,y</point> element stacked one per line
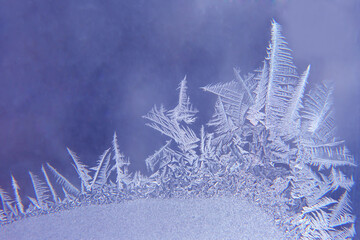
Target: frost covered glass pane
<point>267,164</point>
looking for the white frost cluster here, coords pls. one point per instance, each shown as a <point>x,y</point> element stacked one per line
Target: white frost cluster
<point>270,140</point>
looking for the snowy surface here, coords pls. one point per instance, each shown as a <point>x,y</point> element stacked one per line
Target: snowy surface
<point>216,218</point>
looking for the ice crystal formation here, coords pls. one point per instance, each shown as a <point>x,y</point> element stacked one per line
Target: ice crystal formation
<point>271,140</point>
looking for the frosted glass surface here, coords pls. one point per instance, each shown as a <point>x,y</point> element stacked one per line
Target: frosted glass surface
<point>217,218</point>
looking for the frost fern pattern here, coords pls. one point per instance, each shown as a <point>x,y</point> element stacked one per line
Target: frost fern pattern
<point>270,140</point>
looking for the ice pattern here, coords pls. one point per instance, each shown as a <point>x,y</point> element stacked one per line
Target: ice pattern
<point>271,140</point>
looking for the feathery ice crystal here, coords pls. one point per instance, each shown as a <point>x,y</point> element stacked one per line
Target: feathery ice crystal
<point>270,140</point>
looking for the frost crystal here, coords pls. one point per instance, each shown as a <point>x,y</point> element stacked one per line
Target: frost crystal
<point>270,140</point>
